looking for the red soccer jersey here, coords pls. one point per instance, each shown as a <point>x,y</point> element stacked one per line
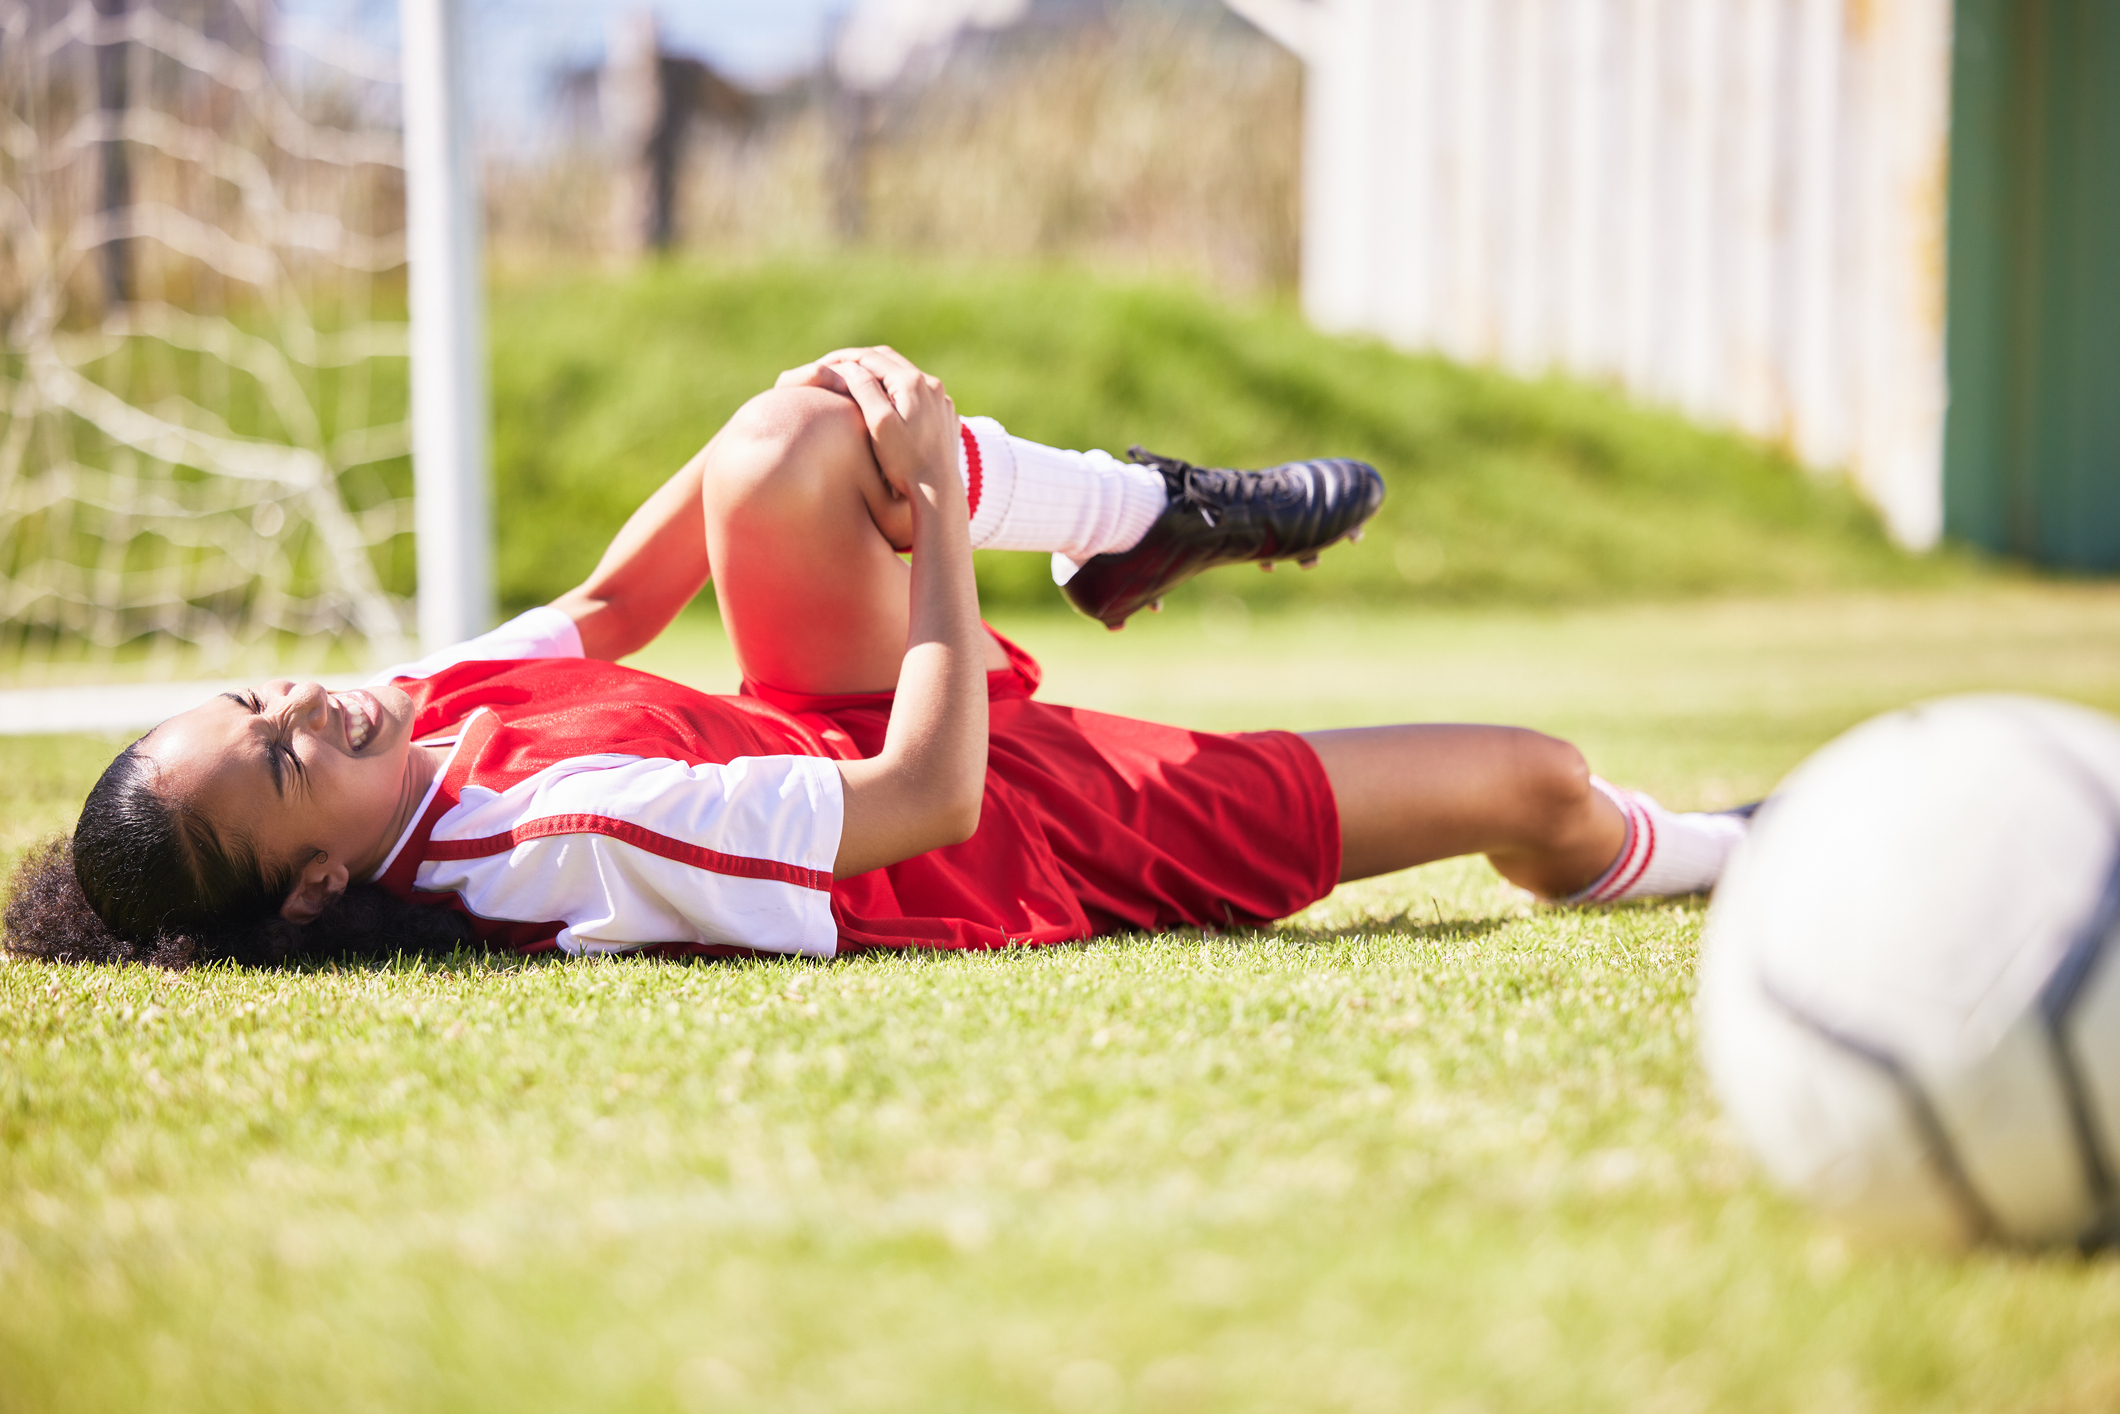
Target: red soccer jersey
<point>600,809</point>
<point>595,808</point>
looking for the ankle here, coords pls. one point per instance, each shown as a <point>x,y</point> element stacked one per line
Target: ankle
<point>1666,852</point>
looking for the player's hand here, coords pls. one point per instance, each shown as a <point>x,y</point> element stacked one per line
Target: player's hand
<point>913,425</point>
<point>821,372</point>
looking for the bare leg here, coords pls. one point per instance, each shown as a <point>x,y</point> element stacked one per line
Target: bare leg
<point>1409,795</point>
<point>802,532</point>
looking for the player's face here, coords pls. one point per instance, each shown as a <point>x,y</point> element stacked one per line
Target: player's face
<point>296,769</point>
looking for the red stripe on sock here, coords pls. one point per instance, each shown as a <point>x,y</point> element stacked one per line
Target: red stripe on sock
<point>1625,867</point>
<point>971,470</point>
<point>1647,828</point>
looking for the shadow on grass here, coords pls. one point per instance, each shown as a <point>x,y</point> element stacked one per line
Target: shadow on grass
<point>1401,925</point>
<point>467,961</point>
<point>461,961</point>
<point>1404,924</point>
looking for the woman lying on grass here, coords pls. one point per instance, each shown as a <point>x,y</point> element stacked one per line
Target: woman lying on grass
<point>886,777</point>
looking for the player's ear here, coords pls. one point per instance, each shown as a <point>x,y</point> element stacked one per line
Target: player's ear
<point>318,884</point>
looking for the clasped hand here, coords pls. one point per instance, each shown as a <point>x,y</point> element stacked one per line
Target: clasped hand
<point>913,426</point>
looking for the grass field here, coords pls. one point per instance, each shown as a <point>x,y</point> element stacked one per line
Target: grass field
<point>1423,1148</point>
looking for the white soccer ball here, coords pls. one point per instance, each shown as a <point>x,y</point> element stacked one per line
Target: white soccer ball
<point>1910,983</point>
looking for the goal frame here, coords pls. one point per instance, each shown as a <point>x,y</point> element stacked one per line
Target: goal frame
<point>452,516</point>
<point>452,504</point>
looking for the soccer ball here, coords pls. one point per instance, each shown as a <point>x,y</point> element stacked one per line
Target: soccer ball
<point>1910,988</point>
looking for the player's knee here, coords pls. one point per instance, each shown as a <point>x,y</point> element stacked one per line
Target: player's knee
<point>802,427</point>
<point>784,446</point>
<point>1555,780</point>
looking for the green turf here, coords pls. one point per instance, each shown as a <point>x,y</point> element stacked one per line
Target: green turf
<point>1543,492</point>
<point>1424,1148</point>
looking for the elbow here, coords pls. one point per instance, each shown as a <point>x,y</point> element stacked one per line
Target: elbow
<point>950,802</point>
<point>953,814</point>
<point>960,820</point>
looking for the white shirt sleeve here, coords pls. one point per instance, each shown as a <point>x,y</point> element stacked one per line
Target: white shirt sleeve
<point>630,851</point>
<point>543,632</point>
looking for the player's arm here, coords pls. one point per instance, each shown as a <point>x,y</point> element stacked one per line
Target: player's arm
<point>923,790</point>
<point>655,565</point>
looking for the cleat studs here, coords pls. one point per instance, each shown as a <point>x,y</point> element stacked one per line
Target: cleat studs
<point>1155,605</point>
<point>1266,567</point>
<point>1309,564</point>
<point>1355,534</point>
<point>1117,626</point>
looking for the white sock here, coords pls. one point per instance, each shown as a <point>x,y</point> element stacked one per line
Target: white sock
<point>1666,852</point>
<point>1025,496</point>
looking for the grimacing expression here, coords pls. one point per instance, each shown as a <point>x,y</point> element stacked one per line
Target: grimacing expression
<point>299,772</point>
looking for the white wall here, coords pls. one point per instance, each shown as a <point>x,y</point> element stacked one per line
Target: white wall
<point>1732,206</point>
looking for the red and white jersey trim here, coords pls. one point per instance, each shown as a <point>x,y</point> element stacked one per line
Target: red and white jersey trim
<point>632,851</point>
<point>434,788</point>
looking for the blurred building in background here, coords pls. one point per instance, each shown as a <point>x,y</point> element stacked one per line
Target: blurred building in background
<point>1730,206</point>
<point>1738,207</point>
<point>2032,448</point>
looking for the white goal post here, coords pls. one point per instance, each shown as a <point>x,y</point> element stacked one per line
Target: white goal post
<point>452,520</point>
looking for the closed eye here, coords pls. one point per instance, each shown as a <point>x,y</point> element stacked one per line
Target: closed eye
<point>274,750</point>
<point>301,773</point>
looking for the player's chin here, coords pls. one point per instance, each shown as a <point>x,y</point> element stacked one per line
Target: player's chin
<point>399,710</point>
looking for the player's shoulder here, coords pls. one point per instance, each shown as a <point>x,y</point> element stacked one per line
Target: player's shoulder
<point>543,632</point>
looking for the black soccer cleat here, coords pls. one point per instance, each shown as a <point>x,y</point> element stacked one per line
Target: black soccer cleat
<point>1218,517</point>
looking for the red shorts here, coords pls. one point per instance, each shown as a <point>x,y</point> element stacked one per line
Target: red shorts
<point>1091,824</point>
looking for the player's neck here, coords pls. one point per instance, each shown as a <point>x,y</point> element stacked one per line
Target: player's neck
<point>423,763</point>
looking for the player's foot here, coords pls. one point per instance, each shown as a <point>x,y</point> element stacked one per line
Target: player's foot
<point>1218,517</point>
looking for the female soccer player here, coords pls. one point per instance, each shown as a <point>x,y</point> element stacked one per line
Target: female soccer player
<point>886,777</point>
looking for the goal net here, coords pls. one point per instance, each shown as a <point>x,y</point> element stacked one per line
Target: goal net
<point>204,434</point>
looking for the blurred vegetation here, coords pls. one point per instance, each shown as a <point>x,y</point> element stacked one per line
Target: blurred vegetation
<point>1150,135</point>
<point>1501,489</point>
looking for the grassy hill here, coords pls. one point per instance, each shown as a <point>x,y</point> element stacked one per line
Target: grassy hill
<point>1501,489</point>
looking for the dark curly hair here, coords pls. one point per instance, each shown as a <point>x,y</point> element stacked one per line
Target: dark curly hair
<point>146,878</point>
